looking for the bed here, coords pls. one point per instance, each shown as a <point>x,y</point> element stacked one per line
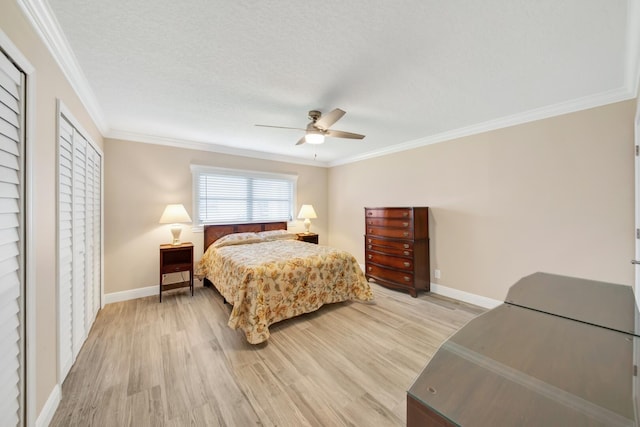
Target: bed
<point>268,276</point>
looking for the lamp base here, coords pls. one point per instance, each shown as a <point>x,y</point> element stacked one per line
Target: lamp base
<point>176,229</point>
<point>307,225</point>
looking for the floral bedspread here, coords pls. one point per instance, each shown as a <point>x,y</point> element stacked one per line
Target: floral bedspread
<point>275,280</point>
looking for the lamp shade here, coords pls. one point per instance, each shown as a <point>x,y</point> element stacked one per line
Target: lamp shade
<point>174,214</point>
<point>307,212</point>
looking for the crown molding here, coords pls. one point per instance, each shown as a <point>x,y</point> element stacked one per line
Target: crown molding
<point>572,106</point>
<point>46,25</point>
<point>215,148</point>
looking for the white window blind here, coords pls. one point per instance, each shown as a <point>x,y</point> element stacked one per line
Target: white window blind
<point>231,195</point>
<point>11,242</point>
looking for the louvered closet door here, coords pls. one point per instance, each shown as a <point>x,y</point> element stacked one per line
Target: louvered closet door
<point>93,246</point>
<point>88,261</point>
<point>11,243</point>
<point>96,241</point>
<point>65,244</point>
<point>79,239</point>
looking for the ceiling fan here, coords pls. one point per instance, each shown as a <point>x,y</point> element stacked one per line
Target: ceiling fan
<point>318,128</point>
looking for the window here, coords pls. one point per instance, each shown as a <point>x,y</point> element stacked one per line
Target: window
<point>223,196</point>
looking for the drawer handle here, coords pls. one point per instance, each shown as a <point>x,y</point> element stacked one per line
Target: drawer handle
<point>369,240</point>
<point>407,278</point>
<point>406,246</point>
<point>405,214</point>
<point>405,224</point>
<point>369,213</point>
<point>369,247</point>
<point>370,256</point>
<point>405,234</point>
<point>406,252</point>
<point>370,268</point>
<point>406,264</point>
<point>370,231</point>
<point>370,222</point>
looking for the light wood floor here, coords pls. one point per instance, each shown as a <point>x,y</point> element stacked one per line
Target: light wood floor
<point>178,363</point>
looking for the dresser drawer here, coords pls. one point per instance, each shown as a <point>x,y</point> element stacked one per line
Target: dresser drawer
<point>389,222</point>
<point>390,250</point>
<point>389,261</point>
<point>399,277</point>
<point>388,212</point>
<point>174,268</point>
<point>395,244</point>
<point>398,233</point>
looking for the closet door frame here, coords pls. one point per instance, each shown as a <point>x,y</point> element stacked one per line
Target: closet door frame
<point>29,300</point>
<point>62,110</point>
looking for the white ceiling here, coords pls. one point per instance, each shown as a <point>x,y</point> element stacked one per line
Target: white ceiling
<point>410,73</point>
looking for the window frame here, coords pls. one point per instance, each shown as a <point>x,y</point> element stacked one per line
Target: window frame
<point>199,170</point>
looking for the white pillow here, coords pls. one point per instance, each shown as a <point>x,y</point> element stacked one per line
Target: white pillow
<point>237,239</point>
<point>277,235</point>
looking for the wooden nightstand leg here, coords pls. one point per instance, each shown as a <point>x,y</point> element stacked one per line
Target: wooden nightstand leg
<point>160,287</point>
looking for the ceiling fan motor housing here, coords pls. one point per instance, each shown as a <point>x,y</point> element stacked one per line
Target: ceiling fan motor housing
<point>314,115</point>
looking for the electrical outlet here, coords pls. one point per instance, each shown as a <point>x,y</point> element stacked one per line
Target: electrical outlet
<point>436,273</point>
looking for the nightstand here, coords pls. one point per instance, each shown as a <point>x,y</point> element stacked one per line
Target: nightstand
<point>176,259</point>
<point>308,237</point>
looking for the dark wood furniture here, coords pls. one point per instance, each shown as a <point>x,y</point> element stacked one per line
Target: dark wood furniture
<point>214,232</point>
<point>560,351</point>
<point>309,238</point>
<point>397,247</point>
<point>176,259</point>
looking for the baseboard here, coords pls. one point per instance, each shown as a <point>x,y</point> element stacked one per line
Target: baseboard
<point>49,408</point>
<point>130,294</point>
<point>461,295</point>
<point>465,296</point>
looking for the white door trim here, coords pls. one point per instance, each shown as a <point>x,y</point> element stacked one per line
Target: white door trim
<point>637,200</point>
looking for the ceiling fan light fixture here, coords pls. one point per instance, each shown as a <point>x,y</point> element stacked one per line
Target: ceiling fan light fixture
<point>314,138</point>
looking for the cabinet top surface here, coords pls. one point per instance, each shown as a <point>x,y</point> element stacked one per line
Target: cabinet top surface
<point>602,304</point>
<point>551,369</point>
<point>182,245</point>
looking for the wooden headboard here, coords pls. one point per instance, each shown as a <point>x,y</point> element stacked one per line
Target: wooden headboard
<point>214,232</point>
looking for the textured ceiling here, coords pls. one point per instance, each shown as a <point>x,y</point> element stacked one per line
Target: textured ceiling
<point>207,71</point>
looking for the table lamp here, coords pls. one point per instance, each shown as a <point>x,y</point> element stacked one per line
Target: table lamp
<point>307,213</point>
<point>175,215</point>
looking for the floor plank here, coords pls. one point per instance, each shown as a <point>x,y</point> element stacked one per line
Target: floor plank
<point>177,363</point>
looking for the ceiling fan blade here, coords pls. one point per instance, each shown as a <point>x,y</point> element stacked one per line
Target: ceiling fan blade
<point>301,141</point>
<point>326,120</point>
<point>343,134</point>
<point>279,127</point>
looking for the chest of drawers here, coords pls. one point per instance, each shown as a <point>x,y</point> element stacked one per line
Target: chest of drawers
<point>397,247</point>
